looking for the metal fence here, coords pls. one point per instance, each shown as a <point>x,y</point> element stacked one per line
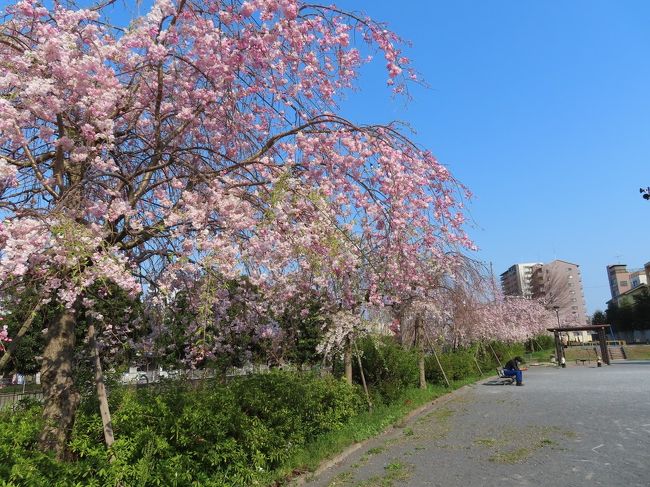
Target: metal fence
<point>149,378</point>
<point>7,400</point>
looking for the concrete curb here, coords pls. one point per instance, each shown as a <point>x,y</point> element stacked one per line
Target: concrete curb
<point>400,424</point>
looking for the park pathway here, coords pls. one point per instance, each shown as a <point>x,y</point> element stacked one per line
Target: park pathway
<point>573,427</point>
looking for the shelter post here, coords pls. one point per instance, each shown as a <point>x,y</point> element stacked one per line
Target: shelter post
<point>604,351</point>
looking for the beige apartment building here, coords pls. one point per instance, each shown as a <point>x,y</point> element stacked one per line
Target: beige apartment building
<point>624,284</point>
<point>559,284</point>
<point>619,279</point>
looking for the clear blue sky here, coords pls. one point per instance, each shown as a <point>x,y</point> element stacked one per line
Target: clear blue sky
<point>543,109</point>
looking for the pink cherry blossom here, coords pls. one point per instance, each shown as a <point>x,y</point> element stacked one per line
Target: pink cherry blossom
<point>201,146</point>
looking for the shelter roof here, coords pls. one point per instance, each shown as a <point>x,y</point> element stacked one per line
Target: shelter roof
<point>579,328</point>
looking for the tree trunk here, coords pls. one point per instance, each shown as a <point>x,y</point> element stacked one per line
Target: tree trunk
<point>347,360</point>
<point>420,351</point>
<point>60,396</point>
<point>101,388</point>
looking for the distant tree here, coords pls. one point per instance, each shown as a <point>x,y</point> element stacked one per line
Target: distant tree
<point>18,305</point>
<point>599,318</point>
<point>641,320</point>
<point>630,314</point>
<point>620,316</point>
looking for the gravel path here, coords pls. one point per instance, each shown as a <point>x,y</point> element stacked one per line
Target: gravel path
<point>579,426</point>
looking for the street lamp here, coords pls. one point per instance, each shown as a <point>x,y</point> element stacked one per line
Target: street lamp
<point>560,352</point>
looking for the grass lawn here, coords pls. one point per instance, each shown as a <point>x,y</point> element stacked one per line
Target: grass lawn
<point>539,355</point>
<point>573,353</point>
<point>637,352</point>
<point>634,352</point>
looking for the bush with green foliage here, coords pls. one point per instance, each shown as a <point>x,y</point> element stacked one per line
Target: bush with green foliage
<point>458,365</point>
<point>178,434</point>
<point>389,369</point>
<point>505,351</point>
<point>541,342</point>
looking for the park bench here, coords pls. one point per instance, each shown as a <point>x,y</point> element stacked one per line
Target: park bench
<point>503,379</point>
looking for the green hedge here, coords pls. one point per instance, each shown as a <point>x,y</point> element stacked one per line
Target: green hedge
<point>541,342</point>
<point>458,365</point>
<point>174,434</point>
<point>389,369</point>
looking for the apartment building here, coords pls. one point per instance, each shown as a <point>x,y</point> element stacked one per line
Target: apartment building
<point>517,280</point>
<point>561,287</point>
<point>557,283</point>
<point>619,279</point>
<point>624,284</point>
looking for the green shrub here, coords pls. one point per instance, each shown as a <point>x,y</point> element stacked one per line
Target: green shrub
<point>504,351</point>
<point>389,369</point>
<point>290,410</point>
<point>177,434</point>
<point>457,364</point>
<point>541,342</point>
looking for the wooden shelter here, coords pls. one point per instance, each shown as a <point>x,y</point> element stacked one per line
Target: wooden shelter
<point>604,351</point>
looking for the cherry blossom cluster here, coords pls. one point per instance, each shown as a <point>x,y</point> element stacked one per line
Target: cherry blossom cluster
<point>513,319</point>
<point>463,306</point>
<point>344,326</point>
<point>202,141</point>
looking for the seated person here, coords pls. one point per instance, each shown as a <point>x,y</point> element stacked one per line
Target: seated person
<point>511,369</point>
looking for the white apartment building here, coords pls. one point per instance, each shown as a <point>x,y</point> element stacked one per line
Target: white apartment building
<point>517,280</point>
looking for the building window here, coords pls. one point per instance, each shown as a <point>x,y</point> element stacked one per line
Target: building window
<point>624,283</point>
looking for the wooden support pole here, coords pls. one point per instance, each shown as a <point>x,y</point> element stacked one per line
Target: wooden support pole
<point>101,388</point>
<point>433,349</point>
<point>17,338</point>
<point>419,347</point>
<point>604,351</point>
<point>559,352</point>
<point>347,359</point>
<point>495,355</point>
<point>363,376</point>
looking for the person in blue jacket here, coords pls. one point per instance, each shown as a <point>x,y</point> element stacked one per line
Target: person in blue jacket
<point>511,369</point>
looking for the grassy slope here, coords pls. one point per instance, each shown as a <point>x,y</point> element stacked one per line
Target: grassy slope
<point>637,352</point>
